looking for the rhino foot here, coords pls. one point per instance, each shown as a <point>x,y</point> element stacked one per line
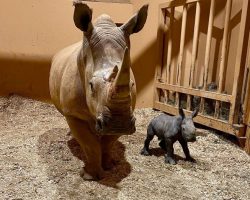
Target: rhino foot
<point>145,152</point>
<point>170,160</point>
<point>108,163</point>
<point>90,177</point>
<point>190,159</point>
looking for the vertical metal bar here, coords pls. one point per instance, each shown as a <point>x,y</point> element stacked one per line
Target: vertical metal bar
<point>208,47</point>
<point>194,50</point>
<point>182,43</point>
<point>223,54</point>
<point>233,115</point>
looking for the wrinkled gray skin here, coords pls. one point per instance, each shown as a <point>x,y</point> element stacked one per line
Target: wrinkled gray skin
<point>92,85</point>
<point>169,129</point>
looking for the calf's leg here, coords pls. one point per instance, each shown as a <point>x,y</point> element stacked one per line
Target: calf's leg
<point>184,146</point>
<point>150,136</point>
<point>162,144</point>
<point>90,143</point>
<point>169,157</point>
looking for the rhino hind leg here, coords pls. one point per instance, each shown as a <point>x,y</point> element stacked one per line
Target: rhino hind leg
<point>150,136</point>
<point>107,142</point>
<point>91,146</point>
<point>162,144</point>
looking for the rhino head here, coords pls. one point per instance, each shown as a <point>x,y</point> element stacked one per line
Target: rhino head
<point>106,70</point>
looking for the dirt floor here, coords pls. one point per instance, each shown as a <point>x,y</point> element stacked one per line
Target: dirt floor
<point>40,160</point>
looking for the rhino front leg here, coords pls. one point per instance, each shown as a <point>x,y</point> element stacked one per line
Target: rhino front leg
<point>169,157</point>
<point>107,142</point>
<point>184,145</point>
<point>90,143</point>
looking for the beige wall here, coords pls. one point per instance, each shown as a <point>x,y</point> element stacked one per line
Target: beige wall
<point>32,31</point>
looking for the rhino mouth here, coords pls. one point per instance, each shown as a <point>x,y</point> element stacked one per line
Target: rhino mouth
<point>191,139</point>
<point>115,125</point>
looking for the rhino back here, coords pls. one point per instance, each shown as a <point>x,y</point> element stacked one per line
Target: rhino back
<point>66,87</point>
<point>166,126</point>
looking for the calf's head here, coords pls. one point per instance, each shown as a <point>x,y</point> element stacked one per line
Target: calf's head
<point>187,126</point>
<point>108,81</point>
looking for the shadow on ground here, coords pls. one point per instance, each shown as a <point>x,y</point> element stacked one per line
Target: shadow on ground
<point>64,160</point>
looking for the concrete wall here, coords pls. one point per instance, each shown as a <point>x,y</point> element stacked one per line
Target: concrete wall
<point>32,31</point>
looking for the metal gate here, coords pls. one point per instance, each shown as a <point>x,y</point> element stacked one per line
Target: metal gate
<point>184,80</point>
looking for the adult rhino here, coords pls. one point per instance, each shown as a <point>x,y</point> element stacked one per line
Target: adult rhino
<point>92,85</point>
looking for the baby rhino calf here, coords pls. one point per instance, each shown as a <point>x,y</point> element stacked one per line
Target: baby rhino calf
<point>169,129</point>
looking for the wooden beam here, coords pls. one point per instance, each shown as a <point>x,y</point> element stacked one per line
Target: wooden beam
<point>247,144</point>
<point>202,119</point>
<point>195,92</point>
<point>181,52</point>
<point>207,51</point>
<point>222,71</point>
<point>246,97</point>
<point>194,50</point>
<point>224,46</point>
<point>160,36</point>
<point>169,30</point>
<point>170,43</point>
<point>239,68</point>
<point>158,70</point>
<point>182,44</point>
<point>195,43</point>
<point>176,3</point>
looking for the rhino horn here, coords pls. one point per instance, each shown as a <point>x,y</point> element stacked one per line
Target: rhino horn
<point>122,80</point>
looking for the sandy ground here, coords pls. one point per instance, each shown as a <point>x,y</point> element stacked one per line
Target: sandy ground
<point>40,160</point>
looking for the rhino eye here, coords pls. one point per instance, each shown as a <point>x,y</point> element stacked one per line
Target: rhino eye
<point>91,86</point>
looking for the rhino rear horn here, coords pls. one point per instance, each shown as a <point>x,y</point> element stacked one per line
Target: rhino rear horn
<point>181,113</point>
<point>82,16</point>
<point>137,22</point>
<point>195,112</point>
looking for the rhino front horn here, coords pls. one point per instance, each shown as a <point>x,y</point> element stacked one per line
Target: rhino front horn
<point>122,79</point>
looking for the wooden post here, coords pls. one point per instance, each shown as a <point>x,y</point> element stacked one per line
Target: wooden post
<point>239,68</point>
<point>160,43</point>
<point>207,51</point>
<point>223,54</point>
<point>182,44</point>
<point>170,43</point>
<point>194,50</point>
<point>247,145</point>
<point>158,70</point>
<point>170,46</point>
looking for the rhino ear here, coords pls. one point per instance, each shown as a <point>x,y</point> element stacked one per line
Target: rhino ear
<point>181,113</point>
<point>136,23</point>
<point>195,113</point>
<point>82,16</point>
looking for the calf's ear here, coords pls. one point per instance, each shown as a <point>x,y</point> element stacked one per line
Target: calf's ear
<point>195,112</point>
<point>136,23</point>
<point>82,16</point>
<point>181,113</point>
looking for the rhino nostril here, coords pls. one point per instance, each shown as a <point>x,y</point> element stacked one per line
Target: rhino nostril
<point>99,123</point>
